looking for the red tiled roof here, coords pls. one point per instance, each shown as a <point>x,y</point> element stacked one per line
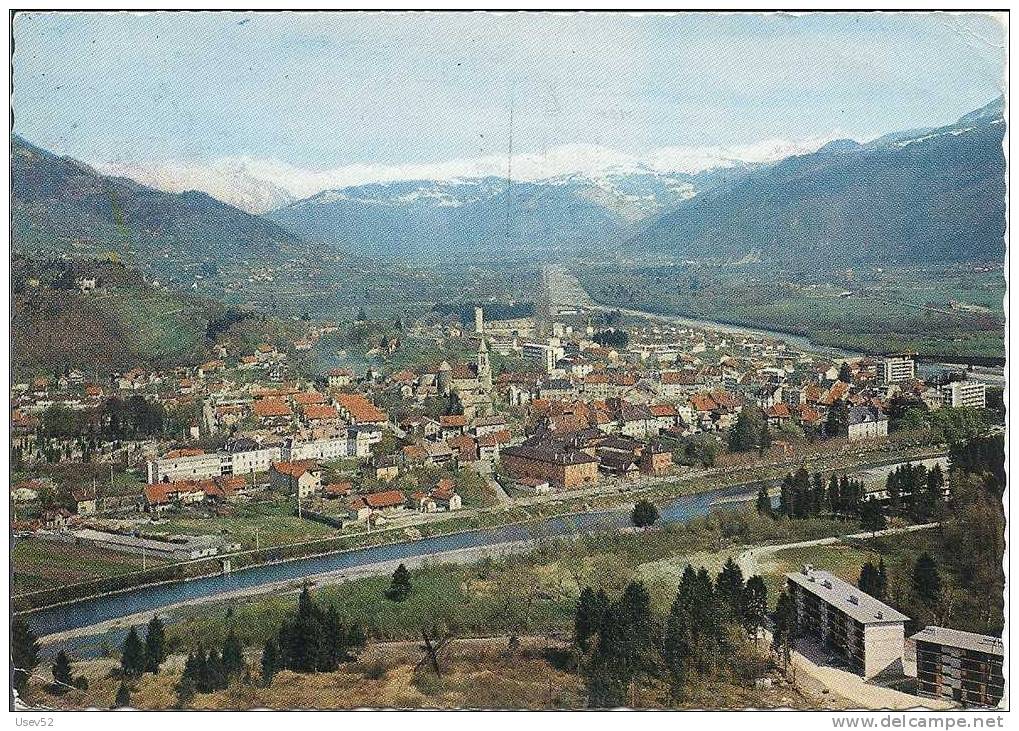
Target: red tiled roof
<point>271,407</point>
<point>318,412</point>
<point>296,469</point>
<point>387,499</point>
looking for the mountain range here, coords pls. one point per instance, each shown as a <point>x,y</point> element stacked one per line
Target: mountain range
<point>60,205</point>
<point>931,195</point>
<point>489,218</point>
<point>923,195</point>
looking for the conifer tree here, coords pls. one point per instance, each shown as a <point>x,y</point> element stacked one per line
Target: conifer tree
<point>270,660</point>
<point>927,579</point>
<point>729,587</point>
<point>399,587</point>
<point>754,604</point>
<point>123,699</point>
<point>233,656</point>
<point>155,645</point>
<point>764,502</point>
<point>24,653</point>
<point>132,658</point>
<point>62,680</point>
<point>644,514</point>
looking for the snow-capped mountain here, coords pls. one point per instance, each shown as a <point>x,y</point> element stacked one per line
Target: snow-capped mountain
<point>918,196</point>
<point>490,217</point>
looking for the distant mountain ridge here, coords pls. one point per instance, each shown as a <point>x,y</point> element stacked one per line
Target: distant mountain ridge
<point>61,205</point>
<point>489,218</point>
<point>925,195</point>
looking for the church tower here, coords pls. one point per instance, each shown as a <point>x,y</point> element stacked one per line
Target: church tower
<point>484,367</point>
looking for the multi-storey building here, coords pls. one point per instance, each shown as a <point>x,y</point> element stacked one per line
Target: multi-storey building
<point>563,468</point>
<point>960,666</point>
<point>897,368</point>
<point>965,393</point>
<point>864,632</point>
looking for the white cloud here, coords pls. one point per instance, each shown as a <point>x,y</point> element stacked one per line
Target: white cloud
<point>259,185</point>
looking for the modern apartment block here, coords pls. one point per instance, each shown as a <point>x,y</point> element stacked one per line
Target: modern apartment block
<point>863,632</point>
<point>965,393</point>
<point>959,666</point>
<point>896,368</point>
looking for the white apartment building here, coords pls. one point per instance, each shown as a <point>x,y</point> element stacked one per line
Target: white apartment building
<point>897,368</point>
<point>864,632</point>
<point>965,393</point>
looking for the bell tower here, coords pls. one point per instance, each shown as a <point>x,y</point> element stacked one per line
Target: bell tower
<point>484,367</point>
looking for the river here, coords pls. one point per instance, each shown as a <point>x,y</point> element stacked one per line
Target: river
<point>90,612</point>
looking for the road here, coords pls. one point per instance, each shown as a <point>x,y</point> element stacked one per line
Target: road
<point>750,560</point>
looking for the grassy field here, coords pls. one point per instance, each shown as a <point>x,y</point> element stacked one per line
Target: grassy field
<point>874,310</point>
<point>275,522</point>
<point>40,564</point>
<point>536,675</point>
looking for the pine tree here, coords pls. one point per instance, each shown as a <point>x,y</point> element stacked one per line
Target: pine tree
<point>155,645</point>
<point>817,506</point>
<point>764,502</point>
<point>132,658</point>
<point>123,699</point>
<point>233,656</point>
<point>765,439</point>
<point>356,638</point>
<point>729,587</point>
<point>834,501</point>
<point>270,660</point>
<point>587,619</point>
<point>845,373</point>
<point>307,645</point>
<point>399,587</point>
<point>754,604</point>
<point>24,653</point>
<point>872,518</point>
<point>927,579</point>
<point>869,580</point>
<point>186,689</point>
<point>217,678</point>
<point>62,680</point>
<point>335,642</point>
<point>787,499</point>
<point>785,627</point>
<point>882,576</point>
<point>644,514</point>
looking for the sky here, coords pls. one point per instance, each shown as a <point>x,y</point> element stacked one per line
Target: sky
<point>305,101</point>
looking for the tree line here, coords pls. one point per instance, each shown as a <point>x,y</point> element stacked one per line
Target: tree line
<point>627,652</point>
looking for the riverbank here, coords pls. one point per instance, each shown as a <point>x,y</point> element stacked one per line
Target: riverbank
<point>590,503</point>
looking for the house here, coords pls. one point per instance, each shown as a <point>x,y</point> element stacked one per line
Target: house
<point>55,519</point>
<point>423,502</point>
<point>339,378</point>
<point>656,460</point>
<point>337,490</point>
<point>303,478</point>
<point>777,414</point>
<point>359,410</point>
<point>389,501</point>
<point>85,500</point>
<point>666,415</point>
<point>386,468</point>
<point>161,495</point>
<point>445,496</point>
<point>490,443</point>
<point>865,423</point>
<point>533,485</point>
<point>451,425</point>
